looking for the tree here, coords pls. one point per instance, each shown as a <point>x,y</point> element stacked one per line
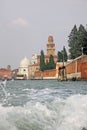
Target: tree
<point>82,36</point>
<point>72,42</point>
<point>77,41</point>
<point>62,55</point>
<point>84,46</point>
<point>50,65</point>
<point>42,62</point>
<point>83,39</point>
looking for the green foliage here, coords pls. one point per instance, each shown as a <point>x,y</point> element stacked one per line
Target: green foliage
<point>42,62</point>
<point>46,66</point>
<point>72,42</point>
<point>50,65</point>
<point>77,41</point>
<point>84,129</point>
<point>62,56</point>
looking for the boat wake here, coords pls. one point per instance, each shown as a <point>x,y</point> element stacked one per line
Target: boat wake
<point>59,114</point>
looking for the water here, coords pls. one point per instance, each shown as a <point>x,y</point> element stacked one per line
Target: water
<point>43,105</point>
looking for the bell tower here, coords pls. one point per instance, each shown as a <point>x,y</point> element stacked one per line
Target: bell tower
<point>50,46</point>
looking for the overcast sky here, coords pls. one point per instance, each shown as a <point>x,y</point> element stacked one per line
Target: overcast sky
<point>26,24</point>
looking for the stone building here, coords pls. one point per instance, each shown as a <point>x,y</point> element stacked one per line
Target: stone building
<point>33,59</point>
<point>5,73</point>
<point>50,50</point>
<point>23,71</point>
<point>34,68</point>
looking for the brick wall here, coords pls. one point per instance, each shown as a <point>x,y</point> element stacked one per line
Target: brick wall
<point>46,73</point>
<point>84,69</point>
<point>70,68</point>
<point>79,65</point>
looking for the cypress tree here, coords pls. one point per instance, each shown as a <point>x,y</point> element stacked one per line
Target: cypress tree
<point>65,54</point>
<point>42,62</point>
<point>60,56</point>
<point>51,63</point>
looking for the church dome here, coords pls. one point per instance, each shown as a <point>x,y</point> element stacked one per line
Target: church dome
<point>50,39</point>
<point>24,62</point>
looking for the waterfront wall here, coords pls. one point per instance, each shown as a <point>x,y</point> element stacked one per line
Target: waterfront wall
<point>47,74</point>
<point>77,68</point>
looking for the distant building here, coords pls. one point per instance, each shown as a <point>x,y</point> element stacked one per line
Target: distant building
<point>23,71</point>
<point>34,69</point>
<point>50,48</point>
<point>5,73</point>
<point>34,59</point>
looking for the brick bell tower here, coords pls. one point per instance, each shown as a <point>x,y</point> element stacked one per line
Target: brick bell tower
<point>50,46</point>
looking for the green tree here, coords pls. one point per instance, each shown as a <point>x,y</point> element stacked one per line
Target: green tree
<point>62,55</point>
<point>84,46</point>
<point>82,35</point>
<point>50,65</point>
<point>42,62</point>
<point>72,42</point>
<point>77,41</point>
<point>82,39</point>
<point>51,62</point>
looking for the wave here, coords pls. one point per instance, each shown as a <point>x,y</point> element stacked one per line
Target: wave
<point>58,114</point>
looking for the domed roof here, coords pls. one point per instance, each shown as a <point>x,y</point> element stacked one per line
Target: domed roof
<point>50,39</point>
<point>24,62</point>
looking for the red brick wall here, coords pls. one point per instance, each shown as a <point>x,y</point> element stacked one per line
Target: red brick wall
<point>84,70</point>
<point>46,73</point>
<point>79,65</point>
<point>70,68</point>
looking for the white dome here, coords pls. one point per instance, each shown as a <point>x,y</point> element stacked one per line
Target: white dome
<point>24,62</point>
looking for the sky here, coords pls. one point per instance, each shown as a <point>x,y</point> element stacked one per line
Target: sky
<point>26,24</point>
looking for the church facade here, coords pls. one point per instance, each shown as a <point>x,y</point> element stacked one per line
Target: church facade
<point>23,71</point>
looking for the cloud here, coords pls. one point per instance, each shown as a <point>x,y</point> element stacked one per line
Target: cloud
<point>20,21</point>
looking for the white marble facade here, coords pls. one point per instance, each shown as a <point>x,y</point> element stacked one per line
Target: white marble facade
<point>24,68</point>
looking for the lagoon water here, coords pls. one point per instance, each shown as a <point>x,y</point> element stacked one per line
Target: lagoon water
<point>43,105</point>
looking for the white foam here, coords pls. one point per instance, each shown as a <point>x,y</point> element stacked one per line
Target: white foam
<point>74,113</point>
<point>59,114</point>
